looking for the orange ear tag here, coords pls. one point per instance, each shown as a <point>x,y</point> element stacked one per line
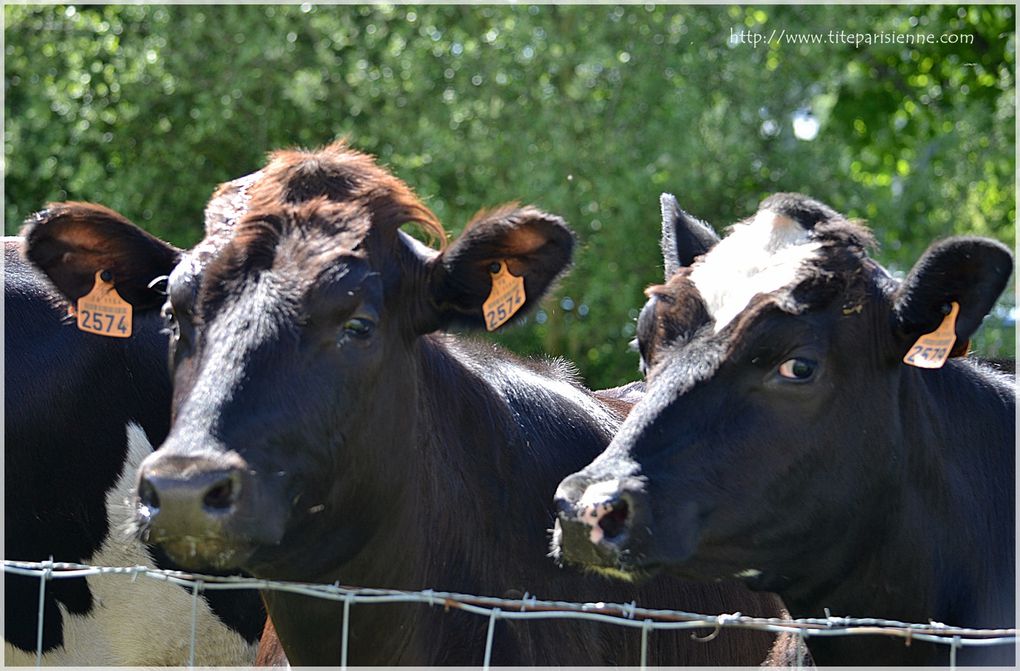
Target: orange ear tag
<point>505,299</point>
<point>932,349</point>
<point>102,311</point>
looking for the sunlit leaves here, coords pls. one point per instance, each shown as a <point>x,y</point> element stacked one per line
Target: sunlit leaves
<point>589,112</point>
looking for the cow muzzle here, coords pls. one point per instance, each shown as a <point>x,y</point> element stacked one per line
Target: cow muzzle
<point>601,525</point>
<point>204,511</point>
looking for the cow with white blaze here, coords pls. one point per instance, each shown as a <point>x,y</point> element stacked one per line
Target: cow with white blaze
<point>812,427</point>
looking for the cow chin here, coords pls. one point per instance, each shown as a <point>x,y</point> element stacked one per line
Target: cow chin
<point>572,546</point>
<point>290,559</point>
<point>198,553</point>
<point>634,555</point>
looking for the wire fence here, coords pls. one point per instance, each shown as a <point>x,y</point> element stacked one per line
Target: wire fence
<point>526,608</point>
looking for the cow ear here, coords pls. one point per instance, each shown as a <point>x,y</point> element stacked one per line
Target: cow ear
<point>71,242</point>
<point>969,271</point>
<point>684,238</point>
<point>523,242</point>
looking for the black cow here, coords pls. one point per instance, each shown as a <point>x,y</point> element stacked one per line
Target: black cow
<point>80,412</point>
<point>784,440</point>
<point>324,431</point>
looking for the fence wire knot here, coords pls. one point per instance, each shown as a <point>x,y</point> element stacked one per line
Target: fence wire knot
<point>721,620</point>
<point>630,610</point>
<point>709,637</point>
<point>835,620</point>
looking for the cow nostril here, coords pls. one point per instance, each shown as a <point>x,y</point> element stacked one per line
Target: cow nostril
<point>614,522</point>
<point>221,495</point>
<point>147,494</point>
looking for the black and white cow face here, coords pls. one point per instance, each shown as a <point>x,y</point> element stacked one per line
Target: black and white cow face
<point>773,407</point>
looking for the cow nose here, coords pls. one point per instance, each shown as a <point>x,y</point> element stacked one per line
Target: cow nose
<point>607,509</point>
<point>189,496</point>
<point>208,509</point>
<point>600,523</point>
<point>212,492</point>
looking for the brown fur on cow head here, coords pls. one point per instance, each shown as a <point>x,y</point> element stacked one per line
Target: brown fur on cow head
<point>336,196</point>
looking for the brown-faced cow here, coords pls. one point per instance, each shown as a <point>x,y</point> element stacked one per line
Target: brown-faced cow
<point>784,440</point>
<point>324,431</point>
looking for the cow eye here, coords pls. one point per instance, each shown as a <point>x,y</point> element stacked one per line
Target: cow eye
<point>171,327</point>
<point>169,318</point>
<point>799,370</point>
<point>181,332</point>
<point>358,327</point>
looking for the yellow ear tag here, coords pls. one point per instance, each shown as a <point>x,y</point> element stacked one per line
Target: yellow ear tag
<point>932,349</point>
<point>505,299</point>
<point>102,311</point>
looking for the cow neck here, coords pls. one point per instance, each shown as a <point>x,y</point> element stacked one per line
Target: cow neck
<point>492,436</point>
<point>465,455</point>
<point>959,443</point>
<point>487,444</point>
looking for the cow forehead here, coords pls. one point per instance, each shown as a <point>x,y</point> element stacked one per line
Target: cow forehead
<point>228,204</point>
<point>305,211</point>
<point>298,183</point>
<point>795,255</point>
<point>762,255</point>
<point>285,270</point>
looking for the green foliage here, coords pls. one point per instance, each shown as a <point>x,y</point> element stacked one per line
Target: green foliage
<point>589,112</point>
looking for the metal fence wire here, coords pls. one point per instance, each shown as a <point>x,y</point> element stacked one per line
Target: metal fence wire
<point>526,608</point>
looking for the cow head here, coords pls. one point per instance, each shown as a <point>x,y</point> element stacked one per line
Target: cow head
<point>774,370</point>
<point>295,331</point>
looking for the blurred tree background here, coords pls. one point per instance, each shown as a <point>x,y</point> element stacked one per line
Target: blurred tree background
<point>588,112</point>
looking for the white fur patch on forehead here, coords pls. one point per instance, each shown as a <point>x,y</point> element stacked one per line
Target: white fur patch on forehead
<point>759,256</point>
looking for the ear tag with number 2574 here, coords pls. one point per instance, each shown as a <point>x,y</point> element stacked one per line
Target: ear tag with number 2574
<point>932,349</point>
<point>505,299</point>
<point>102,311</point>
